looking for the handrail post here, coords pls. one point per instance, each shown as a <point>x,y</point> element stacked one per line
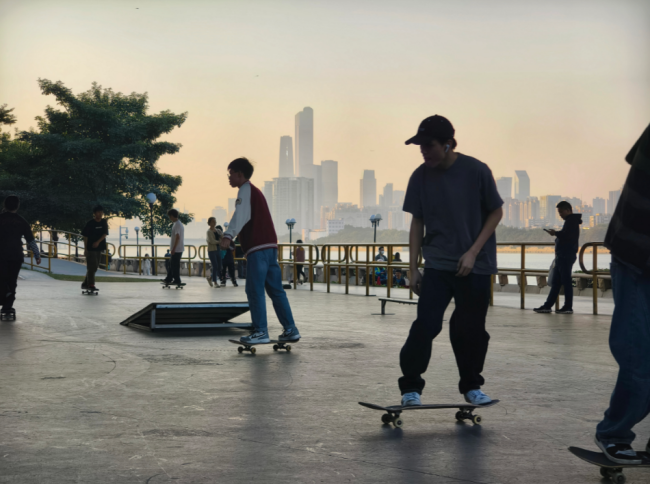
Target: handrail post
<point>523,276</point>
<point>347,270</point>
<point>595,277</point>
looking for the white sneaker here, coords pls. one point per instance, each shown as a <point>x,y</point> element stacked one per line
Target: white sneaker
<point>411,399</point>
<point>209,281</point>
<point>256,337</point>
<point>477,397</point>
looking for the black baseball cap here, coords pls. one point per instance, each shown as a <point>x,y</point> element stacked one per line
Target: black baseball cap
<point>433,127</point>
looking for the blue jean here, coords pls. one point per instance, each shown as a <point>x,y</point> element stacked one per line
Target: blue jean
<point>263,273</point>
<point>215,261</point>
<point>629,341</point>
<point>562,277</point>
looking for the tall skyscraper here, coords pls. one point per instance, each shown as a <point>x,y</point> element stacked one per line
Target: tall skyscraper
<point>330,182</point>
<point>304,142</point>
<point>522,185</point>
<point>599,206</point>
<point>387,198</point>
<point>293,198</point>
<point>286,157</point>
<point>368,189</point>
<point>612,201</point>
<point>317,175</point>
<point>398,197</point>
<point>547,208</point>
<point>268,193</point>
<point>220,214</point>
<point>504,187</point>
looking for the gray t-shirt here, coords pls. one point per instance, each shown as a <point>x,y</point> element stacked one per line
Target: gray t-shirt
<point>454,205</point>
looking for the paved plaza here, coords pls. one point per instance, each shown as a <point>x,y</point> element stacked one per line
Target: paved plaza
<point>86,400</point>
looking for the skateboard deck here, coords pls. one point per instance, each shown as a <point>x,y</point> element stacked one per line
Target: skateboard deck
<point>277,345</point>
<point>90,292</point>
<point>8,315</point>
<point>178,286</point>
<point>609,469</point>
<point>393,413</point>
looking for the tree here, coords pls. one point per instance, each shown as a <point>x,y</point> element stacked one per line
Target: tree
<point>101,148</point>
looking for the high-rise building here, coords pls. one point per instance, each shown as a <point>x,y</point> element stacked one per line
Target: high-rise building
<point>231,207</point>
<point>547,208</point>
<point>387,199</point>
<point>292,198</point>
<point>368,189</point>
<point>612,201</point>
<point>398,197</point>
<point>268,194</point>
<point>530,210</point>
<point>317,175</point>
<point>599,206</point>
<point>221,214</point>
<point>330,181</point>
<point>304,143</point>
<point>504,187</point>
<point>575,202</point>
<point>522,185</point>
<point>286,157</point>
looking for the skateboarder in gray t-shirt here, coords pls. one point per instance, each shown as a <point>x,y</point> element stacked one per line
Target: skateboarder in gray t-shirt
<point>454,197</point>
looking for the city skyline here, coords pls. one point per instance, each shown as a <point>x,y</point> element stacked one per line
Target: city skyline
<point>536,97</point>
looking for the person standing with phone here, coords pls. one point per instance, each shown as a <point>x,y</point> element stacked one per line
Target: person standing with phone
<point>455,198</point>
<point>566,248</point>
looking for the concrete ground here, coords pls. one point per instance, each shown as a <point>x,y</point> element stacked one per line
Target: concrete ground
<point>85,400</point>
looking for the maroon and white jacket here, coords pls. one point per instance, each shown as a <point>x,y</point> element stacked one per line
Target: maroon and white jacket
<point>252,221</point>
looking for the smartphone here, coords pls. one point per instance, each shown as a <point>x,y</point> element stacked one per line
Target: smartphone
<point>547,231</point>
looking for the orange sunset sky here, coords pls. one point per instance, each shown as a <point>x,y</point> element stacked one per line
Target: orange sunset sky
<point>558,88</point>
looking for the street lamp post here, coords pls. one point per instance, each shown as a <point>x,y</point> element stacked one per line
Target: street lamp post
<point>137,243</point>
<point>124,234</point>
<point>151,199</point>
<point>374,220</point>
<point>290,223</point>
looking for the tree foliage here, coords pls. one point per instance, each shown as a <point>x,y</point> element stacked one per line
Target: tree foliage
<point>101,147</point>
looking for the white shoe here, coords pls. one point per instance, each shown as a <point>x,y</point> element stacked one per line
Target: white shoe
<point>411,399</point>
<point>477,397</point>
<point>256,337</point>
<point>209,281</point>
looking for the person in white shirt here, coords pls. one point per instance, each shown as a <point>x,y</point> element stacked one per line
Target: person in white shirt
<point>177,246</point>
<point>146,265</point>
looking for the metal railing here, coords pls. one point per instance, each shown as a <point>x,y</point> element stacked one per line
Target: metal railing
<point>311,260</point>
<point>595,273</point>
<point>190,250</point>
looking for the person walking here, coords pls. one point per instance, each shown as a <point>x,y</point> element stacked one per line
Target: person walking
<point>146,265</point>
<point>213,237</point>
<point>228,264</point>
<point>177,246</point>
<point>300,262</point>
<point>566,248</point>
<point>253,224</point>
<point>454,197</point>
<point>12,229</point>
<point>94,235</point>
<point>629,338</point>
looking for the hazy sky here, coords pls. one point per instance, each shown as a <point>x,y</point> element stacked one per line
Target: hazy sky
<point>560,89</point>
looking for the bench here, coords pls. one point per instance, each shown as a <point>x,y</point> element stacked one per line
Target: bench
<point>385,300</point>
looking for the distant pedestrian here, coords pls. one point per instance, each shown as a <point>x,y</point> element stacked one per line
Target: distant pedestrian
<point>381,256</point>
<point>629,338</point>
<point>300,257</point>
<point>12,229</point>
<point>228,264</point>
<point>397,257</point>
<point>168,262</point>
<point>177,246</point>
<point>146,265</point>
<point>55,241</point>
<point>94,235</point>
<point>566,248</point>
<point>253,224</point>
<point>213,237</point>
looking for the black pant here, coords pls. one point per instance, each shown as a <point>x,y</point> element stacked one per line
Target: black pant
<point>466,328</point>
<point>562,277</point>
<point>300,271</point>
<point>175,263</point>
<point>9,270</point>
<point>228,264</point>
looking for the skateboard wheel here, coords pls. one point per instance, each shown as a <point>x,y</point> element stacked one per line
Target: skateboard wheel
<point>253,350</point>
<point>477,419</point>
<point>240,349</point>
<point>398,422</point>
<point>619,478</point>
<point>386,418</point>
<point>459,416</point>
<point>288,347</point>
<point>275,347</point>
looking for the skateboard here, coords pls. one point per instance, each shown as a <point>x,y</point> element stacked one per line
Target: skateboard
<point>90,292</point>
<point>9,315</point>
<point>277,345</point>
<point>393,413</point>
<point>167,286</point>
<point>609,469</point>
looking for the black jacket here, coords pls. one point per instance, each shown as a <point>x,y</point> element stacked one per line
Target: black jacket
<point>566,243</point>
